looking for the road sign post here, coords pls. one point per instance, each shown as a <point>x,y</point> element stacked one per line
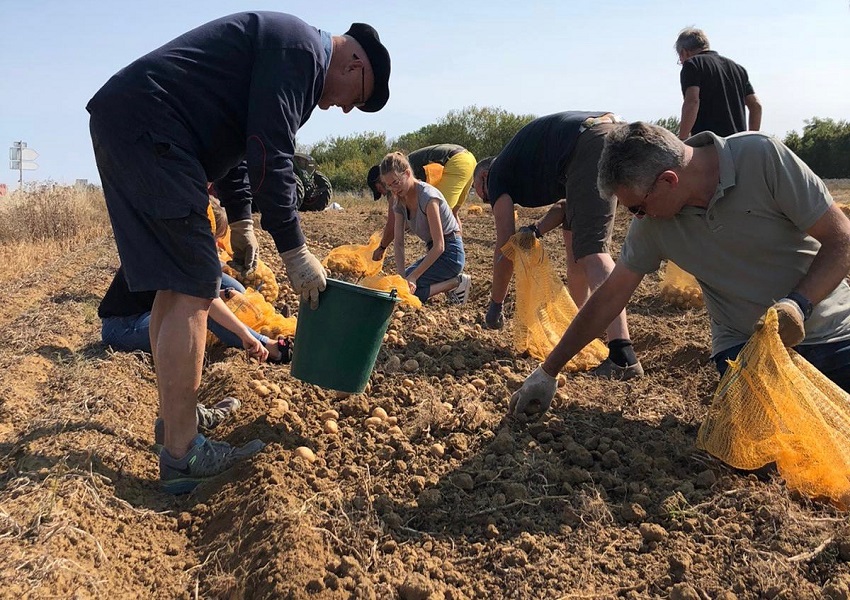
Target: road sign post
<point>22,159</point>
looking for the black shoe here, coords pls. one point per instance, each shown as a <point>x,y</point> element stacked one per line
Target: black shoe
<point>608,369</point>
<point>284,346</point>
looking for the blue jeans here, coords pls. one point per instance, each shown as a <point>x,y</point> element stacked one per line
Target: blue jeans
<point>133,332</point>
<point>831,359</point>
<point>448,265</point>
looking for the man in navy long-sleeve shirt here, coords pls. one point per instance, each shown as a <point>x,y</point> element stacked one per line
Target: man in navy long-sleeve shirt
<point>221,103</point>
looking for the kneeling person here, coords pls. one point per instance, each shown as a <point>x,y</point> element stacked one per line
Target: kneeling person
<point>421,208</point>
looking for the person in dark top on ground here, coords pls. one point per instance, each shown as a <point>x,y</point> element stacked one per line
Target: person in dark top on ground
<point>220,103</point>
<point>552,158</point>
<point>717,91</point>
<point>125,321</point>
<point>125,318</point>
<point>448,167</point>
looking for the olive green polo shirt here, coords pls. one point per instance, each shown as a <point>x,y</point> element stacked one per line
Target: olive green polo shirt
<point>749,247</point>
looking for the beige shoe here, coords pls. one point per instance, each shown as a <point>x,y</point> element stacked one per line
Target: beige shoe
<point>611,370</point>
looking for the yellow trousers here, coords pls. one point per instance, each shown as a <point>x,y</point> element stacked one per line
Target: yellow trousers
<point>456,180</point>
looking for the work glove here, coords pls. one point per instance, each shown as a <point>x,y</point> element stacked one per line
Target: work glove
<point>526,236</point>
<point>246,251</point>
<point>790,316</point>
<point>535,395</point>
<point>494,319</point>
<point>378,254</point>
<point>306,274</point>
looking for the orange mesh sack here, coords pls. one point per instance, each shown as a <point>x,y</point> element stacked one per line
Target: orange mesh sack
<point>258,314</point>
<point>433,173</point>
<point>388,283</point>
<point>773,406</point>
<point>355,260</point>
<point>680,288</point>
<point>261,279</point>
<point>224,244</point>
<point>544,308</point>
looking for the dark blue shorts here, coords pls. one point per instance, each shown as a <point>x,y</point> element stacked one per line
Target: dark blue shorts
<point>832,359</point>
<point>156,195</point>
<point>449,264</point>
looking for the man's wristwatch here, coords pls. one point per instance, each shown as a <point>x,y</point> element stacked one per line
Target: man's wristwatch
<point>804,303</point>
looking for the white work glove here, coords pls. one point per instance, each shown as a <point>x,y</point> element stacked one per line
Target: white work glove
<point>246,251</point>
<point>306,274</point>
<point>792,331</point>
<point>535,396</point>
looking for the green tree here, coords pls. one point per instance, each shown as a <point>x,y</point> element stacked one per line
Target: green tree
<point>670,123</point>
<point>345,160</point>
<point>482,130</point>
<point>824,146</point>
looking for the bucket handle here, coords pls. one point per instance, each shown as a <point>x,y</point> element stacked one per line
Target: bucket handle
<point>393,294</point>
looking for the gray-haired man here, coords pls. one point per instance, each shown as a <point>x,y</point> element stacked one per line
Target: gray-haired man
<point>748,219</point>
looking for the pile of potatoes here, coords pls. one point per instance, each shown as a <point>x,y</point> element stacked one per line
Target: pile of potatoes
<point>685,297</point>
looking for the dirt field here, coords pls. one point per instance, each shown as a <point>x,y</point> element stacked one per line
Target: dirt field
<point>606,497</point>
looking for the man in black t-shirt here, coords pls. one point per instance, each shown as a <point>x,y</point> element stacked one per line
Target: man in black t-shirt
<point>552,161</point>
<point>717,91</point>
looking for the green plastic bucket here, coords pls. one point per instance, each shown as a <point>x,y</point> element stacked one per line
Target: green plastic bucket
<point>337,344</point>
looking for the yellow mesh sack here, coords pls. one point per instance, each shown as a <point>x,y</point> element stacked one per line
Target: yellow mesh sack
<point>388,283</point>
<point>433,173</point>
<point>224,244</point>
<point>544,308</point>
<point>355,260</point>
<point>211,217</point>
<point>680,288</point>
<point>262,278</point>
<point>773,406</point>
<point>252,309</point>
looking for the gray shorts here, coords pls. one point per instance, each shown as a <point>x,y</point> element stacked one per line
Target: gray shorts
<point>588,216</point>
<point>156,195</point>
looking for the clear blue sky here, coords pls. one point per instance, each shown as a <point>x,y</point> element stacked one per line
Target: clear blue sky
<point>526,57</point>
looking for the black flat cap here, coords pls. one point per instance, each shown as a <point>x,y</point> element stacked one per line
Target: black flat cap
<point>379,58</point>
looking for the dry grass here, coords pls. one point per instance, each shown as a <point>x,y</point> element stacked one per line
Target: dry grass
<point>43,221</point>
<point>349,199</point>
<point>840,189</point>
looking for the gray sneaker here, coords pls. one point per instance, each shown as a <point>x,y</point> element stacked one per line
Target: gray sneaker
<point>205,459</point>
<point>611,370</point>
<point>208,418</point>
